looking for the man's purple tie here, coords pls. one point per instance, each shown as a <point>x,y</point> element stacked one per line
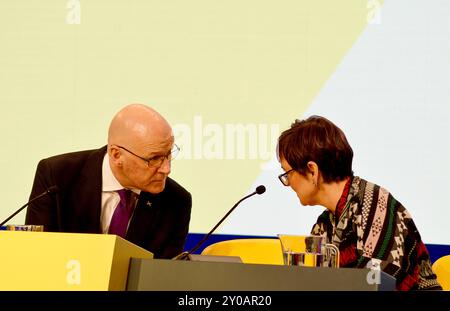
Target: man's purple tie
<point>122,214</point>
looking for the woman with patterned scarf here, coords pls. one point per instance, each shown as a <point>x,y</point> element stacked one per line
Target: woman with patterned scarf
<point>368,225</point>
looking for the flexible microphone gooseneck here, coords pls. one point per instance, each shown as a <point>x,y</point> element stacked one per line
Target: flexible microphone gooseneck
<point>185,255</point>
<point>50,190</point>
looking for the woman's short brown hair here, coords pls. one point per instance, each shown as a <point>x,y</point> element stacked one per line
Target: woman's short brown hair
<point>319,140</point>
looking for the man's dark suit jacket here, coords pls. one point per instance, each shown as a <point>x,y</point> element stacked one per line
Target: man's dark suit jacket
<point>160,227</point>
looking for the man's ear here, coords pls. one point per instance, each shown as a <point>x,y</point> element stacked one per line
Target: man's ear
<point>115,155</point>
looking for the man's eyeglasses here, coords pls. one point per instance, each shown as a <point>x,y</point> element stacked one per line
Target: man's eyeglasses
<point>284,177</point>
<point>157,161</point>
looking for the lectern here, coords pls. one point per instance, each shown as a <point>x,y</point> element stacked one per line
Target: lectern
<point>65,261</point>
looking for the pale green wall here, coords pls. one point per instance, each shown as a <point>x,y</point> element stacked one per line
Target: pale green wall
<point>228,62</point>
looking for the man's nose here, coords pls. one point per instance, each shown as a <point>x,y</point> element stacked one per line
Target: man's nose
<point>165,167</point>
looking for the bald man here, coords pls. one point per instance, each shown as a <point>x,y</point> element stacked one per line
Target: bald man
<point>136,161</point>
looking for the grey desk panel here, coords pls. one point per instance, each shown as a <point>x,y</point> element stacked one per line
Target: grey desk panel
<point>170,275</point>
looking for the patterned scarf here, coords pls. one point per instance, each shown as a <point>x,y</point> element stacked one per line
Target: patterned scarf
<point>370,225</point>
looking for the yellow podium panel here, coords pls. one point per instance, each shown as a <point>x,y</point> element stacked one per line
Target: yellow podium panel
<point>65,261</point>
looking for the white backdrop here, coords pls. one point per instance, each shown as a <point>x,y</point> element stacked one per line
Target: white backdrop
<point>391,96</point>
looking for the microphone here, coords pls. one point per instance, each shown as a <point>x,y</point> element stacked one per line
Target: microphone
<point>187,255</point>
<point>50,190</point>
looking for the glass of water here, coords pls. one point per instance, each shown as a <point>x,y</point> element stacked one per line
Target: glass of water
<point>308,251</point>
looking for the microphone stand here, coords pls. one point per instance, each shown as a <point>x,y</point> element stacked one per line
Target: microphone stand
<point>187,255</point>
<point>52,189</point>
